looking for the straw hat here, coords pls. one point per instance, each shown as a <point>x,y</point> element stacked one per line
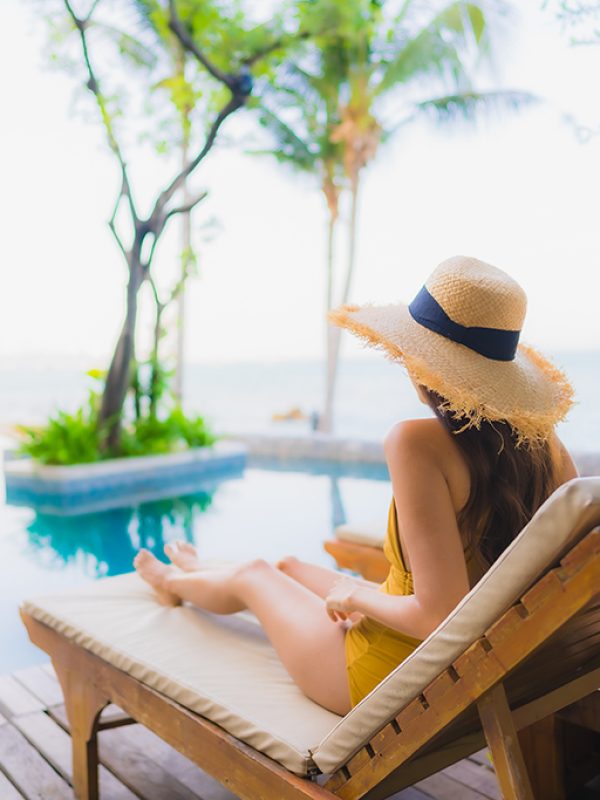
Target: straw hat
<point>459,337</point>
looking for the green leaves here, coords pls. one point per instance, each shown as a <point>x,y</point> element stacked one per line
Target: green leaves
<point>467,105</point>
<point>435,48</point>
<point>290,147</point>
<point>477,20</point>
<point>157,425</point>
<point>181,91</point>
<point>176,431</point>
<point>74,438</point>
<point>135,51</point>
<point>361,70</point>
<point>67,438</point>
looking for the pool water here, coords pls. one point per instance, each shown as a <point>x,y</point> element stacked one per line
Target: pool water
<point>273,509</point>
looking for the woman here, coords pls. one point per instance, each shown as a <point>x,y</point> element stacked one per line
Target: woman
<point>464,484</point>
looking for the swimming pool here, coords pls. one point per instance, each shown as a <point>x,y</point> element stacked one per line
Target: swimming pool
<point>274,508</point>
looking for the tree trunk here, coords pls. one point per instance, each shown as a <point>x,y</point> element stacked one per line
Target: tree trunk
<point>326,421</point>
<point>186,246</point>
<point>155,377</point>
<point>137,392</point>
<point>119,373</point>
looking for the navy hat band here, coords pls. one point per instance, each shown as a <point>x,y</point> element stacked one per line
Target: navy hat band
<point>489,342</point>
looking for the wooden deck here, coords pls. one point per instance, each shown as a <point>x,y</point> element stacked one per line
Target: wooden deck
<point>35,755</point>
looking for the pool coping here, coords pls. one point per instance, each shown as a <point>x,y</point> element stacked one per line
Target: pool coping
<point>316,445</point>
<point>330,447</point>
<point>288,446</point>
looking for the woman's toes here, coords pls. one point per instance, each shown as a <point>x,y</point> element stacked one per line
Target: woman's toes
<point>183,555</point>
<point>170,549</point>
<point>155,573</point>
<point>187,547</point>
<point>142,558</point>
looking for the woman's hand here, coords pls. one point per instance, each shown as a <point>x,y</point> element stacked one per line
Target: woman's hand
<point>339,602</point>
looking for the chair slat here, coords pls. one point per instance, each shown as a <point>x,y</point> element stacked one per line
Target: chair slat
<point>438,687</point>
<point>577,556</point>
<point>507,625</point>
<point>474,655</point>
<point>547,590</point>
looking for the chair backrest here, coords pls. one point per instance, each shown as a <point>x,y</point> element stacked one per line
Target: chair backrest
<point>571,512</point>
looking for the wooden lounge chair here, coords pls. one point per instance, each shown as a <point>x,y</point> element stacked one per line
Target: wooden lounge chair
<point>359,547</point>
<point>523,644</point>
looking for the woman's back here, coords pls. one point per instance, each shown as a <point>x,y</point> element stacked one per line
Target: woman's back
<point>447,456</point>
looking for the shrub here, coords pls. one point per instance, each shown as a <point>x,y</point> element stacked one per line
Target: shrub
<point>77,438</point>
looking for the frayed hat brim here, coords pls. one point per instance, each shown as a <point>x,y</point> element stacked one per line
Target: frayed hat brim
<point>529,392</point>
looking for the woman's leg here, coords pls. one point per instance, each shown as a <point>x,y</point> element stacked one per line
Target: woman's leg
<point>316,578</point>
<point>309,644</point>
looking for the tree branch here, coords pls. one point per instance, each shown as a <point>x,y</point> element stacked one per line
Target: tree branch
<point>160,306</point>
<point>91,11</point>
<point>148,263</point>
<point>93,85</point>
<point>113,229</point>
<point>188,43</point>
<point>234,103</point>
<point>178,288</point>
<point>158,226</point>
<point>250,60</point>
<point>185,209</point>
<point>112,226</point>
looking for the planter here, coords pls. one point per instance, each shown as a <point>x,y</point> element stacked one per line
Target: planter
<point>83,488</point>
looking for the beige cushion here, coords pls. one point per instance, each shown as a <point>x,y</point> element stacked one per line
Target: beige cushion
<point>371,533</point>
<point>566,516</point>
<point>223,668</point>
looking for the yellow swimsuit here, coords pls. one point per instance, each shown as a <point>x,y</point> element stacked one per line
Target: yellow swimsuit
<point>372,649</point>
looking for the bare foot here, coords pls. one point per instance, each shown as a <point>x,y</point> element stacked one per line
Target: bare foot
<point>184,555</point>
<point>154,572</point>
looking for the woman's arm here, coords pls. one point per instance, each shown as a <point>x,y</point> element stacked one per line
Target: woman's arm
<point>318,579</point>
<point>430,534</point>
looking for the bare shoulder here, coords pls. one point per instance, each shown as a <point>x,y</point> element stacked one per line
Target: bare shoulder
<point>409,437</point>
<point>563,460</point>
<point>421,449</point>
<point>414,460</point>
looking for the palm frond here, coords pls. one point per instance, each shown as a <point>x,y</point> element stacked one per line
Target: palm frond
<point>468,105</point>
<point>137,52</point>
<point>437,48</point>
<point>289,146</point>
<point>477,21</point>
<point>320,87</point>
<point>146,11</point>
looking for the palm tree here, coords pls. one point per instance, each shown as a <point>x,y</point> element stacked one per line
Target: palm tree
<point>329,113</point>
<point>312,149</point>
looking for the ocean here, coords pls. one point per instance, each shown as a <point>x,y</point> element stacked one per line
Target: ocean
<point>372,394</point>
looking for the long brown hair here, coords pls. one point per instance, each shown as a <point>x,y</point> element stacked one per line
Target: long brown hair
<point>508,483</point>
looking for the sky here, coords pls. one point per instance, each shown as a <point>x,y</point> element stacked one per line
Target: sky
<point>519,190</point>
